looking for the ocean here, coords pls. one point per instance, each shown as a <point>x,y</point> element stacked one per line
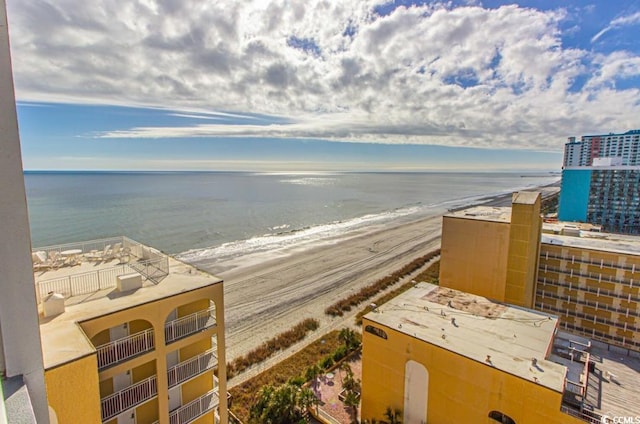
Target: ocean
<point>200,216</point>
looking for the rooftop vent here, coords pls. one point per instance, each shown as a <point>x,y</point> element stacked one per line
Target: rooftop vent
<point>53,304</point>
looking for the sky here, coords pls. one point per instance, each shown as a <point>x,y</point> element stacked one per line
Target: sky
<point>320,85</point>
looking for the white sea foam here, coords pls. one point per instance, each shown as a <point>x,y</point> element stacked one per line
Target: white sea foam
<point>277,243</point>
<point>282,239</point>
<point>298,238</point>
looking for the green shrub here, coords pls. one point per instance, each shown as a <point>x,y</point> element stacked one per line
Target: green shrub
<point>326,363</point>
<point>297,381</point>
<point>340,353</point>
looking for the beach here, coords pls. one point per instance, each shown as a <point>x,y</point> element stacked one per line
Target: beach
<point>266,297</point>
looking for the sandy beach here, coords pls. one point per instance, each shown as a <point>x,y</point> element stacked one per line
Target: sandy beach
<point>264,298</point>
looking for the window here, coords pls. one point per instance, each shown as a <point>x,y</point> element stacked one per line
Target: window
<point>501,418</point>
<point>376,331</point>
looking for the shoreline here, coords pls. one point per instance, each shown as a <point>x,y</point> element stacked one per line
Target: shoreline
<point>266,247</point>
<point>266,297</point>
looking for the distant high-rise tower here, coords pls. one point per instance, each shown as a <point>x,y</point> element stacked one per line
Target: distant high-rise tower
<point>601,181</point>
<point>582,153</point>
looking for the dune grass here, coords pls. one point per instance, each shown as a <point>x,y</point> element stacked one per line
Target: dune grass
<point>272,346</point>
<point>366,293</point>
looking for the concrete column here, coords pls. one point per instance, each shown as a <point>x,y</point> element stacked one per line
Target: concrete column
<point>222,359</point>
<point>161,368</point>
<point>21,344</point>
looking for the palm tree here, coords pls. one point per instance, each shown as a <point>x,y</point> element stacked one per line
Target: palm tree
<point>352,400</point>
<point>349,338</point>
<point>312,374</point>
<point>393,415</point>
<point>281,405</point>
<point>307,399</point>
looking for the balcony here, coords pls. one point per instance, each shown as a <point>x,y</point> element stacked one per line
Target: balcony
<point>192,367</point>
<point>185,326</point>
<point>128,398</point>
<point>125,348</point>
<point>194,409</point>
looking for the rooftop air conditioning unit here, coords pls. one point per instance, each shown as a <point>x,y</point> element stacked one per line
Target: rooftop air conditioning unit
<point>53,304</point>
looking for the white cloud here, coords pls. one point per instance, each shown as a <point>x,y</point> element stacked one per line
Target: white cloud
<point>431,74</point>
<point>617,23</point>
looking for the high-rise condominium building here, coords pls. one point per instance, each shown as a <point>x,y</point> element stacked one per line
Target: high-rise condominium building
<point>601,181</point>
<point>582,153</point>
<point>608,196</point>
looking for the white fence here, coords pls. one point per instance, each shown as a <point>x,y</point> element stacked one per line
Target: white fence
<point>150,263</point>
<point>125,348</point>
<point>191,367</point>
<point>190,324</point>
<point>128,397</point>
<point>94,281</point>
<point>195,408</point>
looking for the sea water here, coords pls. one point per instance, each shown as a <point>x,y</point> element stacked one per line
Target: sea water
<point>199,216</point>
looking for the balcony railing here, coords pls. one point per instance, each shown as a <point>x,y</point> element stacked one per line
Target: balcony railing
<point>590,275</point>
<point>586,416</point>
<point>188,325</point>
<point>128,397</point>
<point>194,409</point>
<point>600,263</point>
<point>122,349</point>
<point>148,262</point>
<point>191,367</point>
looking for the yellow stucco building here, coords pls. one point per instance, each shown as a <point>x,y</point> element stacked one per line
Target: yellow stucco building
<point>440,355</point>
<point>591,280</point>
<point>130,335</point>
<point>493,252</point>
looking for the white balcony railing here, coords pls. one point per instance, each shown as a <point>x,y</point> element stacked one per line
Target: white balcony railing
<point>190,324</point>
<point>128,397</point>
<point>192,367</point>
<point>122,349</point>
<point>148,262</point>
<point>194,409</point>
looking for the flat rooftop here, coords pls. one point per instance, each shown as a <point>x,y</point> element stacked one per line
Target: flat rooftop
<point>491,333</point>
<point>62,338</point>
<point>483,213</point>
<point>607,242</point>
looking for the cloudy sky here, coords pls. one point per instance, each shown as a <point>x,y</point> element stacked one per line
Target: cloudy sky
<point>320,85</point>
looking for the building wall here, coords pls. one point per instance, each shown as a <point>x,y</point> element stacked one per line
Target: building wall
<point>572,152</point>
<point>20,338</point>
<point>524,246</point>
<point>624,146</point>
<point>474,256</point>
<point>595,293</point>
<point>73,391</point>
<point>614,200</point>
<point>574,195</point>
<point>460,390</point>
<point>150,315</point>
